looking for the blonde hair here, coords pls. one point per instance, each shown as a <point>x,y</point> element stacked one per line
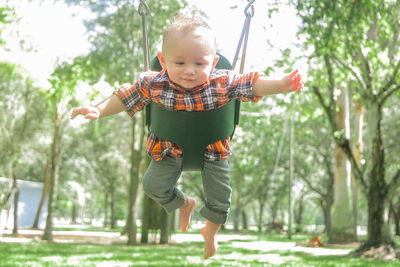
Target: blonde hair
<point>184,23</point>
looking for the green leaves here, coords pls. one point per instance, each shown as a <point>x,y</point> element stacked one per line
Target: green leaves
<point>6,16</point>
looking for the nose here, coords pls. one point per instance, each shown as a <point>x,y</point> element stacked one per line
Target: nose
<point>189,70</point>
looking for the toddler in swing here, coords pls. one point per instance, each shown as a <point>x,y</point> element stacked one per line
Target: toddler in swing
<point>189,82</point>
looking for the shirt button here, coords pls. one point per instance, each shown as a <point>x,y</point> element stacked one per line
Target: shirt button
<point>215,99</point>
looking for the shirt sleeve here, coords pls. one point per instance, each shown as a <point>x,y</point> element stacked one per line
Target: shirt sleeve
<point>240,86</point>
<point>135,97</point>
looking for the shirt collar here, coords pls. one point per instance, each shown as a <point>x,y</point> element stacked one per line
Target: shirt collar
<point>163,77</point>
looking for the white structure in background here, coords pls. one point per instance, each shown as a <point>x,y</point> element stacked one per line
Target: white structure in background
<point>79,199</point>
<point>30,194</point>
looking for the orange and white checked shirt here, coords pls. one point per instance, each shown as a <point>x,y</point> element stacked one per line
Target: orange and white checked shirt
<point>221,87</point>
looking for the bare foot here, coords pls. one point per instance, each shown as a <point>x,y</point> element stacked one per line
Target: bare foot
<point>210,243</point>
<point>185,211</point>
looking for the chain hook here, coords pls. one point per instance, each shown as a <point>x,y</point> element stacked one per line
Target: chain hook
<point>244,36</point>
<point>250,6</point>
<point>143,8</point>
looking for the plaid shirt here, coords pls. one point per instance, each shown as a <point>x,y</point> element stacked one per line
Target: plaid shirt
<point>221,87</point>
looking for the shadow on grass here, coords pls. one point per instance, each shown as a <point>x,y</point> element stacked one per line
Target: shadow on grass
<point>230,253</point>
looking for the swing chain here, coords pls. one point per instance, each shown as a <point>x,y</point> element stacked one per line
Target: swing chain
<point>143,10</point>
<point>244,36</point>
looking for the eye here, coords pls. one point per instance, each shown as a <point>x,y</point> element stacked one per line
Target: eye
<point>199,64</point>
<point>180,63</point>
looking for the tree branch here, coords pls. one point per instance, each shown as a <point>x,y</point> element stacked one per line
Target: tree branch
<point>331,79</point>
<point>345,146</point>
<point>353,72</point>
<point>327,108</point>
<point>367,71</point>
<point>311,186</point>
<point>386,92</point>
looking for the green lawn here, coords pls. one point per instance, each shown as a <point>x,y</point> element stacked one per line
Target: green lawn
<point>232,252</point>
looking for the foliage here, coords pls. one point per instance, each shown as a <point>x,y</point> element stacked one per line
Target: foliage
<point>354,45</point>
<point>6,16</point>
<point>116,37</point>
<point>19,125</point>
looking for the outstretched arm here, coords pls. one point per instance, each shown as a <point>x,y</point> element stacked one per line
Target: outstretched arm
<point>292,82</point>
<point>109,106</point>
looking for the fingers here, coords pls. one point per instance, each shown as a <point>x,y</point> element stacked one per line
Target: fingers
<point>92,116</point>
<point>88,112</point>
<point>75,112</point>
<point>296,80</point>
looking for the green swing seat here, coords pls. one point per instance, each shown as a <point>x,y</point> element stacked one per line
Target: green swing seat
<point>193,130</point>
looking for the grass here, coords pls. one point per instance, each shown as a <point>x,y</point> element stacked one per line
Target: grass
<point>230,253</point>
<point>90,229</point>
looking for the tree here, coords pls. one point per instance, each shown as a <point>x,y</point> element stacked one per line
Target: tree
<point>355,44</point>
<point>342,218</point>
<point>63,82</point>
<point>5,18</point>
<point>18,124</point>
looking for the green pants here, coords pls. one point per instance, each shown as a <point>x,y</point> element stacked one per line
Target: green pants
<point>159,183</point>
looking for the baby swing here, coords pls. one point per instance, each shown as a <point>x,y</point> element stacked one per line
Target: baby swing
<point>192,130</point>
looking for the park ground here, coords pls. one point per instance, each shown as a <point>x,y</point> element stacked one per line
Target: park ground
<point>91,246</point>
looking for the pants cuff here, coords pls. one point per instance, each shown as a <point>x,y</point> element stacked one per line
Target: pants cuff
<point>178,200</point>
<point>214,216</point>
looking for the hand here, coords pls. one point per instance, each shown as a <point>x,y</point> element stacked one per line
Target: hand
<point>89,112</point>
<point>293,81</point>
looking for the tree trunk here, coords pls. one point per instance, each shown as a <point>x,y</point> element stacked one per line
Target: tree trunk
<point>239,199</point>
<point>260,216</point>
<point>133,189</point>
<point>165,227</point>
<point>16,196</point>
<point>112,206</point>
<point>44,195</point>
<point>377,191</point>
<point>342,218</point>
<point>236,220</point>
<point>145,219</point>
<point>245,226</point>
<point>395,206</point>
<point>328,218</point>
<point>290,177</point>
<point>74,212</point>
<point>105,223</point>
<point>357,152</point>
<point>54,158</point>
<point>299,216</point>
<point>396,218</point>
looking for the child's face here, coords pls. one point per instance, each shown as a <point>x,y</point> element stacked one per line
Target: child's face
<point>189,58</point>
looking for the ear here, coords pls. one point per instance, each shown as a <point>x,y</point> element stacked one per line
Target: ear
<point>161,59</point>
<point>215,61</point>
